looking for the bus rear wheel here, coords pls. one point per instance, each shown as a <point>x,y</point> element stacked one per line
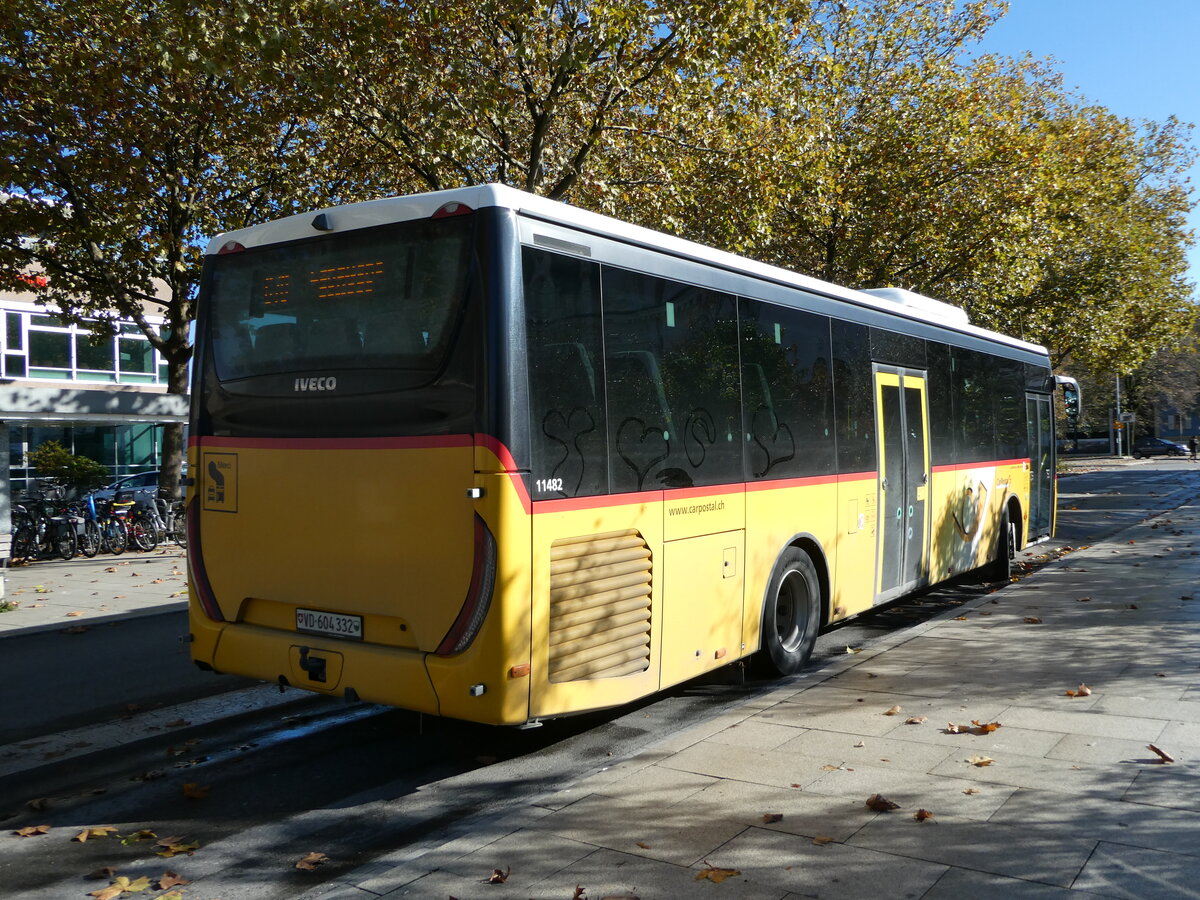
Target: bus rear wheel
<point>791,615</point>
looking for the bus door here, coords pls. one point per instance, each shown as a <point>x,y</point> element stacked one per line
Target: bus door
<point>1041,464</point>
<point>903,419</point>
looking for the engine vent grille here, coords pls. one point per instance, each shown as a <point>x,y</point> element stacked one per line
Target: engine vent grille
<point>599,606</point>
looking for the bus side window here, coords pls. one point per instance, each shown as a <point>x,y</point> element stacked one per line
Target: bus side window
<point>642,431</point>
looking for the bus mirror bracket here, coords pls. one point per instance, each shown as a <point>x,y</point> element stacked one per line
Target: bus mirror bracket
<point>1072,398</point>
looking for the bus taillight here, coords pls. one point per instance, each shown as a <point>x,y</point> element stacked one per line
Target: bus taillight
<point>199,575</point>
<point>231,247</point>
<point>452,208</point>
<point>479,594</point>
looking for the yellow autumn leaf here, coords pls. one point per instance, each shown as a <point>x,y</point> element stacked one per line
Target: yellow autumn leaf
<point>716,875</point>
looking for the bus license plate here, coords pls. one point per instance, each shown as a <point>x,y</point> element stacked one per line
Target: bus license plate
<point>333,624</point>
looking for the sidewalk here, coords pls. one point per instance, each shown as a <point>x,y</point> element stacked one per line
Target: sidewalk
<point>52,594</point>
<point>1063,798</point>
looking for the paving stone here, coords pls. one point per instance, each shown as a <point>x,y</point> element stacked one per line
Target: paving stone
<point>677,834</point>
<point>835,709</point>
<point>756,734</point>
<point>525,860</point>
<point>1182,709</point>
<point>771,767</point>
<point>1081,748</point>
<point>1019,852</point>
<point>804,813</point>
<point>913,791</point>
<point>830,871</point>
<point>1170,785</point>
<point>607,873</point>
<point>841,749</point>
<point>1134,872</point>
<point>1093,723</point>
<point>1040,772</point>
<point>967,884</point>
<point>1153,827</point>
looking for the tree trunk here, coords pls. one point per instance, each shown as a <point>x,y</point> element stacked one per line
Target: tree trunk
<point>172,440</point>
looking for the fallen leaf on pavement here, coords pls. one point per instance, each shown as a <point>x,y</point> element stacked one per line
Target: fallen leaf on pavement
<point>170,880</point>
<point>144,835</point>
<point>972,791</point>
<point>310,861</point>
<point>1082,691</point>
<point>981,728</point>
<point>916,720</point>
<point>498,876</point>
<point>716,875</point>
<point>122,885</point>
<point>880,803</point>
<point>922,815</point>
<point>173,846</point>
<point>976,760</point>
<point>195,791</point>
<point>643,845</point>
<point>822,841</point>
<point>1032,620</point>
<point>1162,754</point>
<point>772,818</point>
<point>32,830</point>
<point>853,650</point>
<point>895,710</point>
<point>95,831</point>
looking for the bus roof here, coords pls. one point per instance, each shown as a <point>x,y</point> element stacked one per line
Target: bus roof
<point>896,301</point>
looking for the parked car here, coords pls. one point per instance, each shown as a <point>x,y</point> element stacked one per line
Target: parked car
<point>144,486</point>
<point>1152,446</point>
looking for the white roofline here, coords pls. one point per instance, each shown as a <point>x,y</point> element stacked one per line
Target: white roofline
<point>418,206</point>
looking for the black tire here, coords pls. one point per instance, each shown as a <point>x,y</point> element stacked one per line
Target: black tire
<point>791,615</point>
<point>1001,566</point>
<point>24,543</point>
<point>89,541</point>
<point>65,543</point>
<point>141,533</point>
<point>115,536</point>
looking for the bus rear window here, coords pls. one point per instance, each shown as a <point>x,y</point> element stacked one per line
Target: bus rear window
<point>377,298</point>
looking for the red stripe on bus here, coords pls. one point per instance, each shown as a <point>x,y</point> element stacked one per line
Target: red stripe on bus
<point>600,501</point>
<point>715,490</point>
<point>424,442</point>
<point>962,467</point>
<point>781,483</point>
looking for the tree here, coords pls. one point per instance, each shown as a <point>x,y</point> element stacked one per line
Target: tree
<point>889,155</point>
<point>80,473</point>
<point>530,93</point>
<point>127,138</point>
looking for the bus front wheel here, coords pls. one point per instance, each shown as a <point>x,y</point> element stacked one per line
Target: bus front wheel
<point>791,615</point>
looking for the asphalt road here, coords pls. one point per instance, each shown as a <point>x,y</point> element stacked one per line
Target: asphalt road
<point>67,680</point>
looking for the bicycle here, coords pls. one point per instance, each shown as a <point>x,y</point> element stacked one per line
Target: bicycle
<point>52,527</point>
<point>113,535</point>
<point>88,531</point>
<point>140,527</point>
<point>169,516</point>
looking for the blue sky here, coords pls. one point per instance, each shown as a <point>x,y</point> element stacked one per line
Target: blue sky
<point>1136,57</point>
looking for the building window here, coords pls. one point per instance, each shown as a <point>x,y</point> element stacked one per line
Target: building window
<point>41,346</point>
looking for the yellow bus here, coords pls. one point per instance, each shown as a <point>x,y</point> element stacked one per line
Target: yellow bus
<point>484,455</point>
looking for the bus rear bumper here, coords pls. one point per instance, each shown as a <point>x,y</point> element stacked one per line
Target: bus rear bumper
<point>376,674</point>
